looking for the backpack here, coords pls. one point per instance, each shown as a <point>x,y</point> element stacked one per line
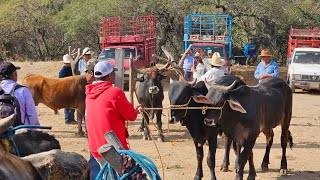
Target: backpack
<point>9,104</point>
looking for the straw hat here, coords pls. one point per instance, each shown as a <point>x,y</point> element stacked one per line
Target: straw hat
<point>265,53</point>
<point>86,51</point>
<point>216,60</point>
<point>67,58</point>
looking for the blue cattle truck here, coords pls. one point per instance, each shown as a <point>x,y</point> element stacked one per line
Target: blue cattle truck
<point>209,32</point>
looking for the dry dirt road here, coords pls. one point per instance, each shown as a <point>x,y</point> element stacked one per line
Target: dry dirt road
<point>178,152</point>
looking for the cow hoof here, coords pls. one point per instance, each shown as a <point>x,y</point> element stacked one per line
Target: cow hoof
<point>140,129</point>
<point>146,138</point>
<point>264,168</point>
<point>160,139</point>
<point>283,171</point>
<point>251,178</point>
<point>197,177</point>
<point>224,169</point>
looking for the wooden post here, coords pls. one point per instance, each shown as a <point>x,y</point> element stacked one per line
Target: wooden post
<point>110,154</point>
<point>112,139</point>
<point>118,81</point>
<point>131,85</point>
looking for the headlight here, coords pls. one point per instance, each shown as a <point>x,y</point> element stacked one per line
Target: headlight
<point>297,77</point>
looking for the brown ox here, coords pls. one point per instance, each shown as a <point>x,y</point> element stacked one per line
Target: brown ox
<point>68,92</point>
<point>11,166</point>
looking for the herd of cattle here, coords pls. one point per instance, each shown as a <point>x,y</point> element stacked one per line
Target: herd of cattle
<point>240,112</point>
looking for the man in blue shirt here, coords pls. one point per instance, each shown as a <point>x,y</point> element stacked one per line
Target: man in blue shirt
<point>86,54</point>
<point>266,68</point>
<point>66,71</point>
<point>249,51</point>
<point>188,64</point>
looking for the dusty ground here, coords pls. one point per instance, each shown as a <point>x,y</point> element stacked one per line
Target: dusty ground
<point>178,153</point>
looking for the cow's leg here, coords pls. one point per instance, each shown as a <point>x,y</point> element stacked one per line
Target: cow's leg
<point>159,125</point>
<point>252,170</point>
<point>142,126</point>
<point>146,133</point>
<point>227,146</point>
<point>284,141</point>
<point>269,142</point>
<point>244,156</point>
<point>237,150</point>
<point>80,116</point>
<point>199,151</point>
<point>212,154</point>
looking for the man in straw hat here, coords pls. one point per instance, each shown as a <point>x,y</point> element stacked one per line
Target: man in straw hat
<point>216,69</point>
<point>65,72</point>
<point>87,55</point>
<point>267,68</point>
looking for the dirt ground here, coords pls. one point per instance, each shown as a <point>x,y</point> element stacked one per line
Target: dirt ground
<point>178,152</point>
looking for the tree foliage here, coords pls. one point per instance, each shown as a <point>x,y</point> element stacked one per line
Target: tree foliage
<point>43,29</point>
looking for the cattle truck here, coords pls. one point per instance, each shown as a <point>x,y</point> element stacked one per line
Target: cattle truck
<point>209,32</point>
<point>134,34</point>
<point>303,59</point>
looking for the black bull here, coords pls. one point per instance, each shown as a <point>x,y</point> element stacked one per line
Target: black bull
<point>149,92</point>
<point>247,111</point>
<point>181,93</point>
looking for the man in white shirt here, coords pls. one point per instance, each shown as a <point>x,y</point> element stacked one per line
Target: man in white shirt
<point>216,70</point>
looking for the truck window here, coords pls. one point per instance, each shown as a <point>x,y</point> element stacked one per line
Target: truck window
<point>307,57</point>
<point>109,53</point>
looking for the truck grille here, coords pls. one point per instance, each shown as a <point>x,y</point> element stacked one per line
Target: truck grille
<point>311,77</point>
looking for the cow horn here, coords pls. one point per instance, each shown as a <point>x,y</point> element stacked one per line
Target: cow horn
<point>231,86</point>
<point>138,71</point>
<point>166,53</point>
<point>5,123</point>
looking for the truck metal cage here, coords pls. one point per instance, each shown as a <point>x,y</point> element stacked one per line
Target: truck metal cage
<point>213,28</point>
<point>303,38</point>
<point>133,29</point>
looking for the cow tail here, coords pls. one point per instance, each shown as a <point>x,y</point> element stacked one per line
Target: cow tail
<point>290,139</point>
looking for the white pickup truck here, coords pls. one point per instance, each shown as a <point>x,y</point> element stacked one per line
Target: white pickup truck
<point>304,69</point>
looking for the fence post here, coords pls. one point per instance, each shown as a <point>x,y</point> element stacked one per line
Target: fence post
<point>118,81</point>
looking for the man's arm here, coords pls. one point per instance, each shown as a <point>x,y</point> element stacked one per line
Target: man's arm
<point>30,108</point>
<point>62,72</point>
<point>126,109</point>
<point>257,72</point>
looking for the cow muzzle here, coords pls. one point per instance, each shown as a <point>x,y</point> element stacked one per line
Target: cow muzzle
<point>154,90</point>
<point>209,122</point>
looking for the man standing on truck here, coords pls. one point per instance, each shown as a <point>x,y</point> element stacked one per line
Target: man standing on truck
<point>267,68</point>
<point>249,52</point>
<point>188,64</point>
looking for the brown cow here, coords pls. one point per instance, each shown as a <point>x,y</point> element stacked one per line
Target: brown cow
<point>68,92</point>
<point>11,166</point>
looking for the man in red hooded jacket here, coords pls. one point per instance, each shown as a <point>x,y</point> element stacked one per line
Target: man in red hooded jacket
<point>107,109</point>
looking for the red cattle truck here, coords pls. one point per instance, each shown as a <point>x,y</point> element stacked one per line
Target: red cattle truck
<point>135,34</point>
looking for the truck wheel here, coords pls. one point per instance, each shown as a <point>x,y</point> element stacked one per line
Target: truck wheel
<point>291,85</point>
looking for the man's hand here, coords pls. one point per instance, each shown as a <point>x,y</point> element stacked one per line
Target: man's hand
<point>139,108</point>
<point>263,76</point>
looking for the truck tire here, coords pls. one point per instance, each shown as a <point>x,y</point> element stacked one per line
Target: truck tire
<point>291,85</point>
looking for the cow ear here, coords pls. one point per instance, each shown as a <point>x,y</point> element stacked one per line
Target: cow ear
<point>235,105</point>
<point>201,99</point>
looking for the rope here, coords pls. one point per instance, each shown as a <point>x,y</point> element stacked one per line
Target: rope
<point>145,163</point>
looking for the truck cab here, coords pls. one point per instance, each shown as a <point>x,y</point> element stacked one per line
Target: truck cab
<point>304,69</point>
<point>209,32</point>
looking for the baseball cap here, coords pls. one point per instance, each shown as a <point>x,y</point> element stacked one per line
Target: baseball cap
<point>209,51</point>
<point>7,68</point>
<point>103,68</point>
<point>86,51</point>
<point>197,54</point>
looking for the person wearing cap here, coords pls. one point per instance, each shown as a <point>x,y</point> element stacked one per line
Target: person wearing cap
<point>216,69</point>
<point>267,68</point>
<point>188,64</point>
<point>86,54</point>
<point>201,67</point>
<point>9,77</point>
<point>107,109</point>
<point>65,72</point>
<point>249,51</point>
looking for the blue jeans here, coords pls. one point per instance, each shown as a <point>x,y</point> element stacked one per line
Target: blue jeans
<point>188,75</point>
<point>68,115</point>
<point>94,167</point>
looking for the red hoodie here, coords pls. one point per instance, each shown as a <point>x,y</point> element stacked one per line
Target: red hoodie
<point>107,109</point>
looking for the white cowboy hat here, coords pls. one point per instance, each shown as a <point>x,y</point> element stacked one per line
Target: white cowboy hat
<point>67,58</point>
<point>216,60</point>
<point>86,51</point>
